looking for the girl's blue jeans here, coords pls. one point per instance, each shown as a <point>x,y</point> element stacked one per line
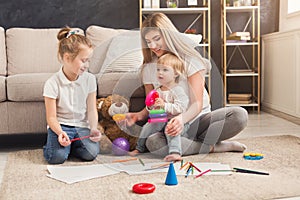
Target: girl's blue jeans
<point>85,149</point>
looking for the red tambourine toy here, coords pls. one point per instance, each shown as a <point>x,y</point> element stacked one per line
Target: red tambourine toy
<point>150,98</point>
<point>143,188</point>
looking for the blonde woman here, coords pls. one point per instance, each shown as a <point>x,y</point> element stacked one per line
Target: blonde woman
<point>208,129</point>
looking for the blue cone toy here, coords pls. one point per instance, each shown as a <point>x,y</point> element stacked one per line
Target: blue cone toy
<point>171,176</point>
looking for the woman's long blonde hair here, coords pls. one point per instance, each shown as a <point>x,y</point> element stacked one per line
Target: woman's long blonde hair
<point>175,41</point>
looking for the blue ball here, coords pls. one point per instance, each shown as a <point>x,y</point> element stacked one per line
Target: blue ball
<point>120,146</point>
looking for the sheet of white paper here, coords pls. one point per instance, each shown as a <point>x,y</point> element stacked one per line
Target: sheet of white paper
<point>136,168</point>
<point>140,169</point>
<point>68,180</point>
<point>72,174</point>
<point>148,168</point>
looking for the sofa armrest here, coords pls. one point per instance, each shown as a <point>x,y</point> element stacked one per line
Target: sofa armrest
<point>3,60</point>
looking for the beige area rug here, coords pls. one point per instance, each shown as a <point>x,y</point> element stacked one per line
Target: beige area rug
<point>25,177</point>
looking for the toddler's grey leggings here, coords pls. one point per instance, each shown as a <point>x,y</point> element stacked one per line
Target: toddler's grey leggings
<point>207,130</point>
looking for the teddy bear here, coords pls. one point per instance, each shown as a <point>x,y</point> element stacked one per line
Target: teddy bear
<point>108,107</point>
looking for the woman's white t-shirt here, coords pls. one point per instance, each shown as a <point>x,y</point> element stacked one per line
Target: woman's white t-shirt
<point>149,77</point>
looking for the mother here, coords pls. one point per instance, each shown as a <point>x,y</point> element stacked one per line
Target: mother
<point>208,129</point>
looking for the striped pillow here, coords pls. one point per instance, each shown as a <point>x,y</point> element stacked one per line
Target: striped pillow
<point>124,53</point>
<point>128,62</point>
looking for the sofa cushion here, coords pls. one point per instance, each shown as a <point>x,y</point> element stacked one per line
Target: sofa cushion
<point>101,38</point>
<point>196,38</point>
<point>127,84</point>
<point>98,34</point>
<point>26,87</point>
<point>32,50</point>
<point>124,53</point>
<point>26,117</point>
<point>129,61</point>
<point>2,88</point>
<point>2,52</point>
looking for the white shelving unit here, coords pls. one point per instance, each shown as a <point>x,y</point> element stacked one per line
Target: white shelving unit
<point>201,12</point>
<point>251,61</point>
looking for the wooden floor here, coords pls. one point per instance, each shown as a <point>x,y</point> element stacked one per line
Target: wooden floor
<point>262,124</point>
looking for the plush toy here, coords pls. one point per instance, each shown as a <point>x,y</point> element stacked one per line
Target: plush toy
<point>108,107</point>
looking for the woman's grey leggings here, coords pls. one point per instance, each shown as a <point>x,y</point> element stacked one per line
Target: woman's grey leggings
<point>207,130</point>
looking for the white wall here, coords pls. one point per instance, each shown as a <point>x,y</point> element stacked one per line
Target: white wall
<point>288,21</point>
<point>281,72</point>
<point>281,63</point>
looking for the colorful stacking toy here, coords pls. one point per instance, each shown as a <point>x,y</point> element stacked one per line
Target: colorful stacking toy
<point>253,156</point>
<point>156,115</point>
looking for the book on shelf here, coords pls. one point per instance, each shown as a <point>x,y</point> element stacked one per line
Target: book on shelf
<point>234,71</point>
<point>239,98</point>
<point>239,95</point>
<point>240,101</point>
<point>236,41</point>
<point>247,38</point>
<point>244,34</point>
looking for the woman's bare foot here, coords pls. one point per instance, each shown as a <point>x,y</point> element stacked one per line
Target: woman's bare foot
<point>134,152</point>
<point>225,146</point>
<point>173,157</point>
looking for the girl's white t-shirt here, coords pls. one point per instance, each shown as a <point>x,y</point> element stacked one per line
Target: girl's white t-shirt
<point>149,77</point>
<point>71,97</point>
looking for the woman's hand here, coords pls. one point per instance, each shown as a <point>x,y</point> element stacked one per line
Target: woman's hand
<point>131,118</point>
<point>174,126</point>
<point>64,139</point>
<point>95,135</point>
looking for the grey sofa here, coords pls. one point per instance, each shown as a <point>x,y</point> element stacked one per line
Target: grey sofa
<point>28,57</point>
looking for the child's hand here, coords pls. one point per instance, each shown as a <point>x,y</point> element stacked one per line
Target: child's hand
<point>159,103</point>
<point>63,139</point>
<point>173,157</point>
<point>95,135</point>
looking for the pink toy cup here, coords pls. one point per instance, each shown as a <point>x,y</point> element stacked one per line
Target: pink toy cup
<point>150,98</point>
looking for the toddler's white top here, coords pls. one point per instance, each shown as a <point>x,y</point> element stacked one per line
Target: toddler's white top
<point>149,77</point>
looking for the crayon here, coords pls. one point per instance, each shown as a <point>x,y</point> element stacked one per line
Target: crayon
<point>141,161</point>
<point>195,167</point>
<point>183,165</point>
<point>249,171</point>
<point>203,173</point>
<point>160,165</point>
<point>188,166</point>
<point>188,171</point>
<point>125,160</point>
<point>80,138</point>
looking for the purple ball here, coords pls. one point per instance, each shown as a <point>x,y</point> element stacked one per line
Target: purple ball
<point>120,146</point>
